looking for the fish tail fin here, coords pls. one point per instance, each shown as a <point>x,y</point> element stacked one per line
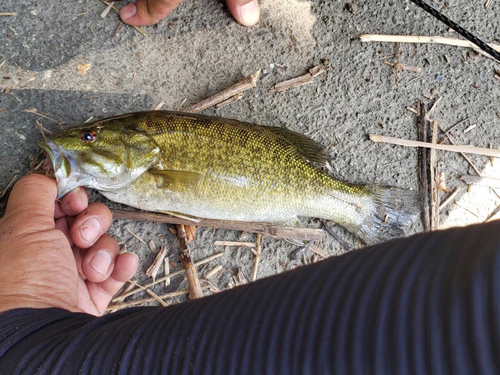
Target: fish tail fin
<point>392,211</point>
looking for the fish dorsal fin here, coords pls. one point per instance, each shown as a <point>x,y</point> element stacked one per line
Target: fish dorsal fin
<point>309,149</point>
<point>165,178</point>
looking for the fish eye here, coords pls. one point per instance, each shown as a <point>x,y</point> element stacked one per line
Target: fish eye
<point>88,136</point>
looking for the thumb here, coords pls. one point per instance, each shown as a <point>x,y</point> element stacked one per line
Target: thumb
<point>245,12</point>
<point>147,12</point>
<point>32,202</point>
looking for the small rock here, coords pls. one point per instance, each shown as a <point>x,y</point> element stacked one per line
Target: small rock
<point>351,7</point>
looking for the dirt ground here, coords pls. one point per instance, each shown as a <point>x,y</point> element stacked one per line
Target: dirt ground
<point>199,50</point>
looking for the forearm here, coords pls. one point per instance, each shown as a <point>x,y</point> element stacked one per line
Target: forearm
<point>427,304</point>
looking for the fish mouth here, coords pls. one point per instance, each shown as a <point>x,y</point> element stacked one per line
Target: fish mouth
<point>65,167</point>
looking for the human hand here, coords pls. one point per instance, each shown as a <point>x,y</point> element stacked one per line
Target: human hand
<point>149,12</point>
<point>55,254</point>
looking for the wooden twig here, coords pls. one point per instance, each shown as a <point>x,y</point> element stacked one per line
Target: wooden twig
<point>482,181</point>
<point>422,157</point>
<point>213,271</point>
<point>300,80</point>
<point>173,274</point>
<point>449,199</point>
<point>35,112</point>
<point>7,14</point>
<point>452,148</point>
<point>185,253</point>
<point>492,215</point>
<point>231,100</point>
<point>291,83</point>
<point>137,237</point>
<point>235,243</point>
<point>243,85</point>
<point>139,30</point>
<point>150,292</point>
<point>146,300</point>
<point>9,185</point>
<point>306,234</point>
<point>453,142</point>
<point>166,270</point>
<point>257,256</point>
<point>153,269</point>
<point>434,181</point>
<point>329,229</point>
<point>426,39</point>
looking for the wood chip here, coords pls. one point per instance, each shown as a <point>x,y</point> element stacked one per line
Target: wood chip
<point>153,269</point>
<point>292,83</point>
<point>83,69</point>
<point>186,259</point>
<point>166,270</point>
<point>152,247</point>
<point>107,10</point>
<point>318,250</point>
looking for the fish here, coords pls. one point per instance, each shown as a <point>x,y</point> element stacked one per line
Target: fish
<point>196,166</point>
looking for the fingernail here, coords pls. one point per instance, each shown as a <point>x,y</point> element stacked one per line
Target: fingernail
<point>101,262</point>
<point>249,13</point>
<point>90,229</point>
<point>128,12</point>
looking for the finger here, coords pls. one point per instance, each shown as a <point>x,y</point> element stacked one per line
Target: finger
<point>246,12</point>
<point>91,224</point>
<point>31,203</point>
<point>101,293</point>
<point>72,203</point>
<point>147,12</point>
<point>99,261</point>
<point>63,226</point>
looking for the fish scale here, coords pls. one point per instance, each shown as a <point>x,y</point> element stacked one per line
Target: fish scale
<point>201,166</point>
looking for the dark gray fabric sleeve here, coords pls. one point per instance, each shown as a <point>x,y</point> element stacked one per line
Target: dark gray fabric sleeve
<point>429,304</point>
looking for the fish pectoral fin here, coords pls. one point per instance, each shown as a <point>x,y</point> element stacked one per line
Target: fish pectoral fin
<point>165,178</point>
<point>194,219</point>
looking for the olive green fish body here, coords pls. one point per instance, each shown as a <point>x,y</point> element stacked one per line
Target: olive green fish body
<point>223,169</point>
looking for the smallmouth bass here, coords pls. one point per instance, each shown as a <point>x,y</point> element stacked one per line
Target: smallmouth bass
<point>201,166</point>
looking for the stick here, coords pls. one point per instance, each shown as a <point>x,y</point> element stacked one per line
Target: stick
<point>146,300</point>
<point>231,100</point>
<point>245,84</point>
<point>452,141</point>
<point>482,181</point>
<point>195,290</point>
<point>434,178</point>
<point>235,243</point>
<point>452,148</point>
<point>212,272</point>
<point>118,12</point>
<point>34,111</point>
<point>9,185</point>
<point>306,234</point>
<point>422,157</point>
<point>257,256</point>
<point>415,69</point>
<point>150,292</point>
<point>166,270</point>
<point>153,269</point>
<point>8,14</point>
<point>175,273</point>
<point>329,229</point>
<point>425,39</point>
<point>450,198</point>
<point>291,83</point>
<point>300,80</point>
